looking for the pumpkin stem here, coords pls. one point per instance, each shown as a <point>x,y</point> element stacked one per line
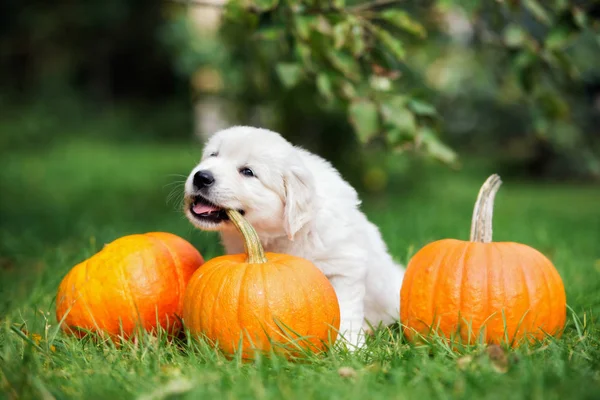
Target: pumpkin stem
<point>481,224</point>
<point>254,250</point>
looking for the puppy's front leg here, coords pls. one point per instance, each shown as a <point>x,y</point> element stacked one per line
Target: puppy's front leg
<point>350,292</point>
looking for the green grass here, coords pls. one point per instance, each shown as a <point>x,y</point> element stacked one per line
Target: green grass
<point>60,204</point>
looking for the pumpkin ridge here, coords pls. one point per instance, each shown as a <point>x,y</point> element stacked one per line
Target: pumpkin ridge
<point>527,291</point>
<point>404,297</point>
<point>440,262</point>
<point>548,289</point>
<point>506,282</point>
<point>407,280</point>
<point>540,276</point>
<point>534,274</point>
<point>264,284</point>
<point>503,279</point>
<point>560,297</point>
<point>281,327</point>
<point>488,299</point>
<point>66,300</point>
<point>462,282</point>
<point>199,292</point>
<point>437,265</point>
<point>132,303</point>
<point>266,322</point>
<point>188,316</point>
<point>205,279</point>
<point>311,309</point>
<point>88,309</point>
<point>409,277</point>
<point>220,285</point>
<point>178,269</point>
<point>240,299</point>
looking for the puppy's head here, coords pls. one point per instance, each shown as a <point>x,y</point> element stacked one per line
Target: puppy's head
<point>254,171</point>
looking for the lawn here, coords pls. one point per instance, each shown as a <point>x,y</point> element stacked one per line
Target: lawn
<point>60,203</point>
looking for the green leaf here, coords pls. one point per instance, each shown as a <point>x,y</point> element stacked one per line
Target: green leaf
<point>271,33</point>
<point>325,86</point>
<point>365,119</point>
<point>345,63</point>
<point>580,17</point>
<point>558,38</point>
<point>339,4</point>
<point>395,137</point>
<point>234,11</point>
<point>422,108</point>
<point>304,53</point>
<point>402,20</point>
<point>303,25</point>
<point>380,83</point>
<point>524,67</point>
<point>289,74</point>
<point>538,11</point>
<point>395,113</point>
<point>357,40</point>
<point>552,105</point>
<point>322,25</point>
<point>340,34</point>
<point>435,147</point>
<point>561,60</point>
<point>347,89</point>
<point>514,36</point>
<point>393,44</point>
<point>265,5</point>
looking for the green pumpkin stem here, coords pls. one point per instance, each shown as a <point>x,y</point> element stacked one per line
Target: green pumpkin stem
<point>481,224</point>
<point>254,249</point>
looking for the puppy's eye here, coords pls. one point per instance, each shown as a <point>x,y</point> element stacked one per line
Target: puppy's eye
<point>213,154</point>
<point>247,172</point>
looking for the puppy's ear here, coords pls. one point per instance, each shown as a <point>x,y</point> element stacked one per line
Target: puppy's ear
<point>299,192</point>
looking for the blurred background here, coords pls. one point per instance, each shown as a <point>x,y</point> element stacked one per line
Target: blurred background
<point>104,105</point>
<point>514,82</point>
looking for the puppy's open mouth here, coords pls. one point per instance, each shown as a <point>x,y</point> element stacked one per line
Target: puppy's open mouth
<point>204,210</point>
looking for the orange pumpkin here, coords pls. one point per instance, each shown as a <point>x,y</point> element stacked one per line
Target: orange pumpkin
<point>135,281</point>
<point>259,302</point>
<point>499,292</point>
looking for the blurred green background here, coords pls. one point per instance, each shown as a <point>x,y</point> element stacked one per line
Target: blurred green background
<point>515,83</point>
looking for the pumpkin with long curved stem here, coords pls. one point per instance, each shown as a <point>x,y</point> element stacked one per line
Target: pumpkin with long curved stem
<point>137,281</point>
<point>497,292</point>
<point>261,302</point>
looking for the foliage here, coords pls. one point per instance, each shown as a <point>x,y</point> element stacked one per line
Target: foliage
<point>385,65</point>
<point>353,56</point>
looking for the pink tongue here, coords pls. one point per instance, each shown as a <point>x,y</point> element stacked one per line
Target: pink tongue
<point>203,208</point>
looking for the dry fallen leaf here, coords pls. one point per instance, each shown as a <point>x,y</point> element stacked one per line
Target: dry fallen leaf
<point>347,372</point>
<point>498,357</point>
<point>464,362</point>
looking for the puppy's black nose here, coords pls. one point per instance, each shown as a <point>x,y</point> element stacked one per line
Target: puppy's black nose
<point>203,179</point>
